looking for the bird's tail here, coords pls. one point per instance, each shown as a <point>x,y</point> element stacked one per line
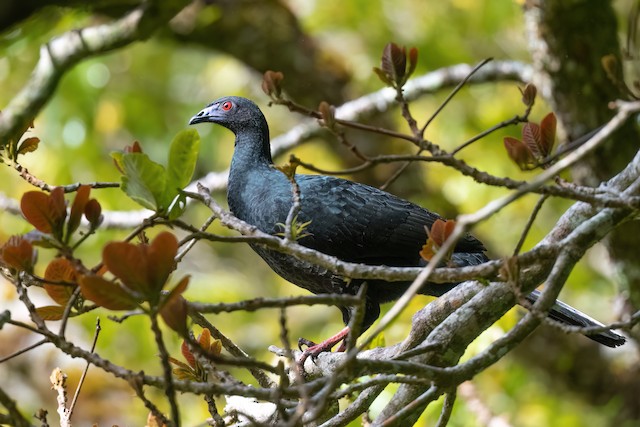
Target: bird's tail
<point>568,315</point>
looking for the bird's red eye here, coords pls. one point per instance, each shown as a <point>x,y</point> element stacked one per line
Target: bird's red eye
<point>226,106</point>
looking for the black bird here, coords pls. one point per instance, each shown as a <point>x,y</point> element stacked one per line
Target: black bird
<point>351,221</point>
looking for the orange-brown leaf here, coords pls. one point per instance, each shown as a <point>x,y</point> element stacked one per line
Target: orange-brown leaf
<point>29,145</point>
<point>58,205</point>
<point>174,314</point>
<point>106,294</point>
<point>60,270</point>
<point>160,259</point>
<point>179,363</point>
<point>50,312</point>
<point>78,207</point>
<point>128,262</point>
<point>18,253</point>
<point>428,251</point>
<point>215,348</point>
<point>35,208</point>
<point>205,339</point>
<point>438,232</point>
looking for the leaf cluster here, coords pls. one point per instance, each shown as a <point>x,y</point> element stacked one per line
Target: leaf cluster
<point>154,186</point>
<point>396,66</point>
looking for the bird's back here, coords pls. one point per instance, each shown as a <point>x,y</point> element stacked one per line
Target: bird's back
<point>351,221</point>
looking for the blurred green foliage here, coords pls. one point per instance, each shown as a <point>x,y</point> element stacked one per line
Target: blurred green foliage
<point>148,92</point>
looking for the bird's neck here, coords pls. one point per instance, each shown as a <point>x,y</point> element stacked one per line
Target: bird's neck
<point>252,150</point>
<point>250,174</point>
<point>252,156</point>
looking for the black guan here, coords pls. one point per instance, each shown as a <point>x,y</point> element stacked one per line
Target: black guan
<point>350,221</point>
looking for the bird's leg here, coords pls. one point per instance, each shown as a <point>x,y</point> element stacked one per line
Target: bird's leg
<point>314,349</point>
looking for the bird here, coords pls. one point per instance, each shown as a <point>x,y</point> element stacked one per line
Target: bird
<point>351,221</point>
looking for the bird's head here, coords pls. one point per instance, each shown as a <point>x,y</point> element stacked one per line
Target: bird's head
<point>234,113</point>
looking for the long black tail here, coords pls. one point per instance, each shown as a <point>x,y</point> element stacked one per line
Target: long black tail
<point>568,315</point>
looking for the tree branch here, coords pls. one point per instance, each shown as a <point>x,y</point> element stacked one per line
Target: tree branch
<point>62,53</point>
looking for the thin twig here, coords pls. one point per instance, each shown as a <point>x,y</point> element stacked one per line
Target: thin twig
<point>86,369</point>
<point>263,303</point>
<point>190,242</point>
<point>24,350</point>
<point>136,383</point>
<point>431,394</point>
<point>529,224</point>
<point>453,93</point>
<point>169,390</point>
<point>447,408</point>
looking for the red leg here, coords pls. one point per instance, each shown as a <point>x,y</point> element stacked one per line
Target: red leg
<point>314,349</point>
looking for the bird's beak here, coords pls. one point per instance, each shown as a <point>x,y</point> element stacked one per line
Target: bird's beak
<point>205,115</point>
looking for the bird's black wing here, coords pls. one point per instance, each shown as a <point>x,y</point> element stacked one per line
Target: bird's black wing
<point>359,223</point>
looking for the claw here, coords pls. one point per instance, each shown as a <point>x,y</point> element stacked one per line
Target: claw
<point>304,341</point>
<point>314,349</point>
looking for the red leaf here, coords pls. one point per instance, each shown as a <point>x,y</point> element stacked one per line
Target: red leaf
<point>188,356</point>
<point>413,61</point>
<point>518,152</point>
<point>133,148</point>
<point>394,62</point>
<point>128,262</point>
<point>532,138</point>
<point>60,270</point>
<point>77,208</point>
<point>106,294</point>
<point>18,253</point>
<point>548,129</point>
<point>160,259</point>
<point>529,94</point>
<point>93,212</point>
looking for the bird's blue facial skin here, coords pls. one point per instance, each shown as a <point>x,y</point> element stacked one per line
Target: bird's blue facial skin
<point>204,115</point>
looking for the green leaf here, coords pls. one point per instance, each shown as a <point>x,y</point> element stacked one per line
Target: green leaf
<point>144,181</point>
<point>182,162</point>
<point>178,207</point>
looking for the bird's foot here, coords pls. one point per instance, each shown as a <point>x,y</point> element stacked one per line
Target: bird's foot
<point>314,349</point>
